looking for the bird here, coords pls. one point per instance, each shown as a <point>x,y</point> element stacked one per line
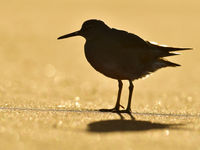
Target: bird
<point>121,55</point>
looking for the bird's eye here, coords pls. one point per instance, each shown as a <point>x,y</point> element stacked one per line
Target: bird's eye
<point>86,28</point>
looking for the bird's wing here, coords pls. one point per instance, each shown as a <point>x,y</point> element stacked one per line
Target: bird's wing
<point>127,39</point>
<point>134,47</point>
<point>133,42</point>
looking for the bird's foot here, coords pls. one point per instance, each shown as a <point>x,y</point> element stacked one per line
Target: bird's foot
<point>128,111</point>
<point>114,110</point>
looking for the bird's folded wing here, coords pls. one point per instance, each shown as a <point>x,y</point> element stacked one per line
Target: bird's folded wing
<point>133,47</point>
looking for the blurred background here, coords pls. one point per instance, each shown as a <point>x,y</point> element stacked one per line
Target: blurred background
<point>37,70</point>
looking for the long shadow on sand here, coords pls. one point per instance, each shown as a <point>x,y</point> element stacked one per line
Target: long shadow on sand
<point>116,125</point>
<point>128,125</point>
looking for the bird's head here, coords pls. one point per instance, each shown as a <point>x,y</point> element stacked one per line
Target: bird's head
<point>90,29</point>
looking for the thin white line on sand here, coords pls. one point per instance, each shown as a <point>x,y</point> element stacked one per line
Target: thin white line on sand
<point>96,111</point>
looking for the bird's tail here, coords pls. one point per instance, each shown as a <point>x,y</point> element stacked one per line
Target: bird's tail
<point>166,48</point>
<point>158,64</point>
<point>165,51</point>
<point>171,49</point>
<point>161,63</point>
<point>167,63</point>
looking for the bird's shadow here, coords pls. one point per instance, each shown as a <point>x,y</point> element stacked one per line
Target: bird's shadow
<point>128,125</point>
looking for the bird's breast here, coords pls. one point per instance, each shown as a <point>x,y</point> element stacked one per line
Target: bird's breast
<point>105,58</point>
<point>97,55</point>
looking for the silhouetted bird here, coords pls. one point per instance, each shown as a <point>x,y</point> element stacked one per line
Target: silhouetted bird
<point>121,55</point>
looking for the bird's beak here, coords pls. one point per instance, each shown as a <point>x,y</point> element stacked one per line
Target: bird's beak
<point>69,35</point>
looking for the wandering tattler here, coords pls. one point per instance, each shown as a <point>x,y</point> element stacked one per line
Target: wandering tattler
<point>121,55</point>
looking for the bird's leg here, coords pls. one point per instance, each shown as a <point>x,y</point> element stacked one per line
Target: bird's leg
<point>128,108</point>
<point>130,96</point>
<point>117,105</point>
